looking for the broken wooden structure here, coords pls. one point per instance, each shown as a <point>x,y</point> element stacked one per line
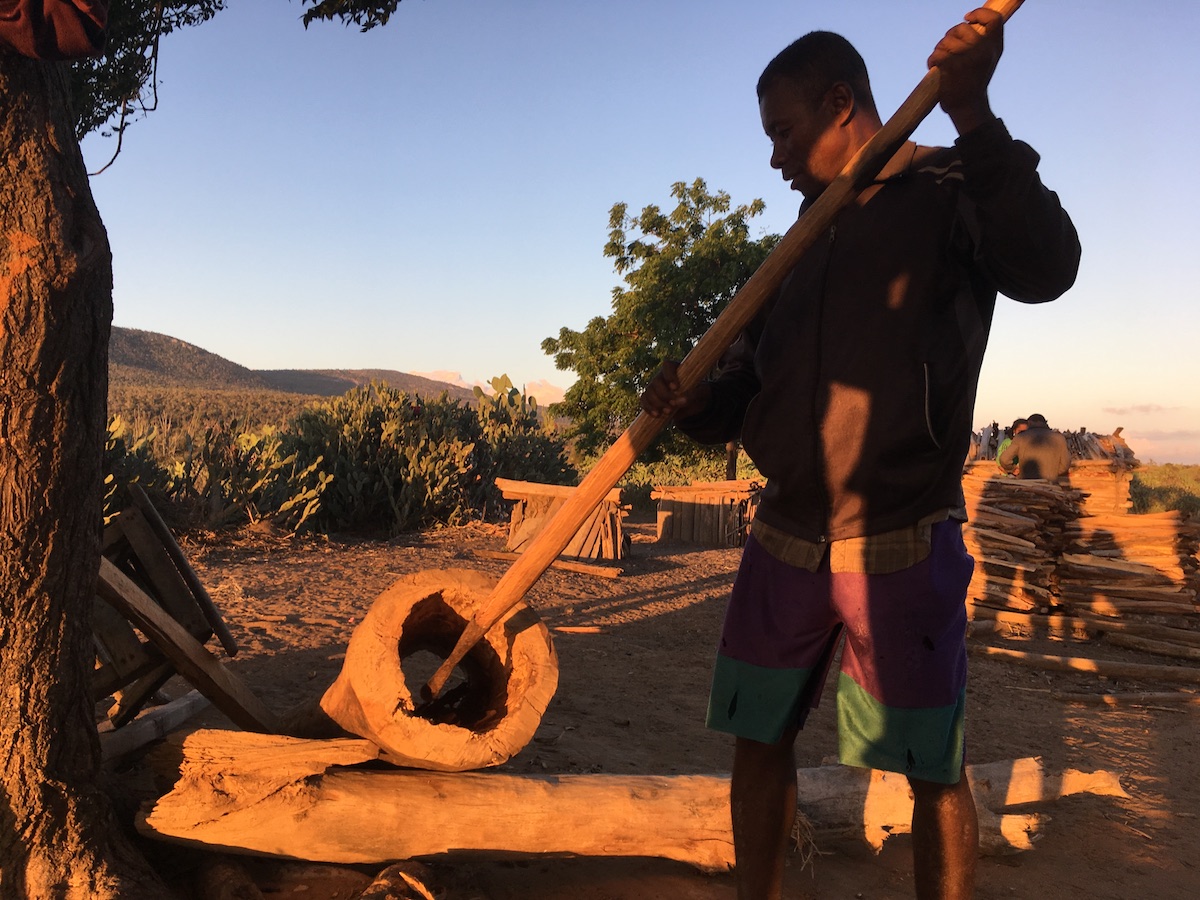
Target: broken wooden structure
<point>601,536</point>
<point>324,801</point>
<point>151,620</point>
<point>713,514</point>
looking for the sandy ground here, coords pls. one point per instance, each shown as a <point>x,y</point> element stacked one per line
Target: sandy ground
<point>631,699</point>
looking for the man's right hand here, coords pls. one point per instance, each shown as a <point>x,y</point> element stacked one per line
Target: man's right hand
<point>664,399</point>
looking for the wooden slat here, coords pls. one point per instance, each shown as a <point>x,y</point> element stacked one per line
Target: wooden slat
<point>198,592</point>
<point>170,589</point>
<point>519,490</point>
<point>566,565</point>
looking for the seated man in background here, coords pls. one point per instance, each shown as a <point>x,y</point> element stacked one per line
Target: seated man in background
<point>1041,451</point>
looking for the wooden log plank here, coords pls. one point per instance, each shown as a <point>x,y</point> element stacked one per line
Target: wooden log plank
<point>171,591</point>
<point>152,725</point>
<point>665,528</point>
<point>122,657</point>
<point>132,697</point>
<point>227,692</point>
<point>566,565</point>
<point>259,795</point>
<point>1092,624</point>
<point>1140,698</point>
<point>687,521</point>
<point>520,490</point>
<point>1105,667</point>
<point>1157,647</point>
<point>199,593</point>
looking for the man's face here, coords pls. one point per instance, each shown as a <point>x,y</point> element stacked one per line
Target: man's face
<point>805,142</point>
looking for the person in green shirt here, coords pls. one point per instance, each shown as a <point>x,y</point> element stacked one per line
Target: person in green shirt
<point>1018,426</point>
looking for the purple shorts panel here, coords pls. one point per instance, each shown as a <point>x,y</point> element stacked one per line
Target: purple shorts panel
<point>778,616</point>
<point>905,631</point>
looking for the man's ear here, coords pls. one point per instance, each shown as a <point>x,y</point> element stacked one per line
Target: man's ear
<point>840,102</point>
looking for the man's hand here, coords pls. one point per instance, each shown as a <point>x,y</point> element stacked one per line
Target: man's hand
<point>967,57</point>
<point>664,399</point>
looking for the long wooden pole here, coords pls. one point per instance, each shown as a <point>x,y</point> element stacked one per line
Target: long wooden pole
<point>763,284</point>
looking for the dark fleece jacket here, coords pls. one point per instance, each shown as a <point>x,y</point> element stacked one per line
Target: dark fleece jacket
<point>854,390</point>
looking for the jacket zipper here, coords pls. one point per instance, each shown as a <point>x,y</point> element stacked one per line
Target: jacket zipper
<point>928,409</point>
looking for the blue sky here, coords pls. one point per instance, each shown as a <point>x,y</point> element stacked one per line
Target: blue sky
<point>434,195</point>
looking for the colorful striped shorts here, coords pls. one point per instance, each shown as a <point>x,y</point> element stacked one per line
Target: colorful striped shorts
<point>902,687</point>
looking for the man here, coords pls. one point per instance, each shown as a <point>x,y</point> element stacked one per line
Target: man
<point>853,392</point>
<point>1018,426</point>
<point>1040,452</point>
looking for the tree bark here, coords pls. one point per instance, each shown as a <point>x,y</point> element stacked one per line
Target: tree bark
<point>58,837</point>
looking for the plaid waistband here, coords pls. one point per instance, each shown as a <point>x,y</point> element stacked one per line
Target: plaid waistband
<point>874,554</point>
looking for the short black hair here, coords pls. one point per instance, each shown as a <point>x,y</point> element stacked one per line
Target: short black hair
<point>815,63</point>
<point>1017,423</point>
<point>1038,419</point>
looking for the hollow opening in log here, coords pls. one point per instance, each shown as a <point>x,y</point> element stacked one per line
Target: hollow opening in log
<point>476,694</point>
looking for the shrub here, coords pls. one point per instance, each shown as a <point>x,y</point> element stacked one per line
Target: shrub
<point>1166,487</point>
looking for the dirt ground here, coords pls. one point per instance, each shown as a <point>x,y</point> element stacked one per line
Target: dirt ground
<point>635,664</point>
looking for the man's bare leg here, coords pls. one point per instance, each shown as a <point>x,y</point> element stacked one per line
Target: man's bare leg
<point>945,835</point>
<point>763,803</point>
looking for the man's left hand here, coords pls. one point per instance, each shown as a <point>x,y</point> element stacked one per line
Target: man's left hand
<point>966,58</point>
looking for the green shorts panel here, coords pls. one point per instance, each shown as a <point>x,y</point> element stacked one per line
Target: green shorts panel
<point>926,744</point>
<point>755,702</point>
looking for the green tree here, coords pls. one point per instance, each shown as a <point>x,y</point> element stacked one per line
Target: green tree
<point>110,91</point>
<point>680,270</point>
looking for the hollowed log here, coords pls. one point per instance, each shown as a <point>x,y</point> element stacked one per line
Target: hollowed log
<point>485,716</point>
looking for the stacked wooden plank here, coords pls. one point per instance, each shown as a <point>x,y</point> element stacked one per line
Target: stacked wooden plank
<point>1015,532</point>
<point>1114,564</point>
<point>1085,444</point>
<point>1106,485</point>
<point>714,514</point>
<point>600,537</point>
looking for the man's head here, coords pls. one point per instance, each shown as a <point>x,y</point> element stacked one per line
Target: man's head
<point>1018,426</point>
<point>816,106</point>
<point>1037,420</point>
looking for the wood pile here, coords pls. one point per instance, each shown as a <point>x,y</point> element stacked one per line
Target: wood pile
<point>1038,545</point>
<point>1015,531</point>
<point>1115,564</point>
<point>715,514</point>
<point>600,537</point>
<point>1105,483</point>
<point>1085,444</point>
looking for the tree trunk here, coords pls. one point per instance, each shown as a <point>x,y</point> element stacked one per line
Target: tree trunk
<point>58,838</point>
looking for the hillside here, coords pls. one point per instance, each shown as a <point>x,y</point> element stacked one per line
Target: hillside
<point>148,359</point>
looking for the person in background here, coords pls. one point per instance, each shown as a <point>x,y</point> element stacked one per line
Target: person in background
<point>1018,426</point>
<point>1037,452</point>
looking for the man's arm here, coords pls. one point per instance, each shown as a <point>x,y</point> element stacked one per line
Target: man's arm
<point>1008,457</point>
<point>712,411</point>
<point>1023,238</point>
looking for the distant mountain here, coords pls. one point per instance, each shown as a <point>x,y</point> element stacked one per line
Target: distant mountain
<point>150,359</point>
<point>146,358</point>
